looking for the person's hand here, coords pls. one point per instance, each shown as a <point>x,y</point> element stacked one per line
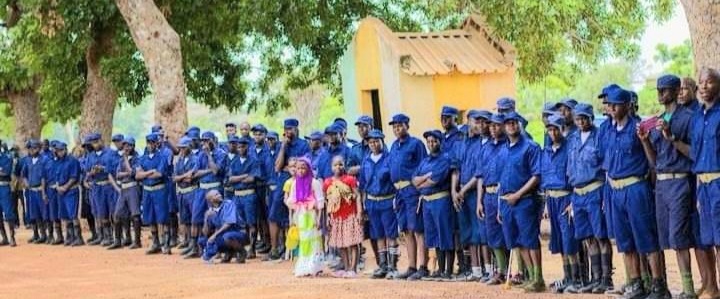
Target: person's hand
<point>512,198</point>
<point>45,198</point>
<point>569,212</point>
<point>480,211</point>
<point>642,134</point>
<point>211,239</point>
<point>61,189</point>
<point>499,218</point>
<point>664,128</point>
<point>546,214</point>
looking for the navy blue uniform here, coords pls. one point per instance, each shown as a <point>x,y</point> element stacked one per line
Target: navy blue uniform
<point>209,181</point>
<point>405,156</point>
<point>67,169</point>
<point>296,148</point>
<point>587,179</point>
<point>33,171</point>
<point>53,205</point>
<point>102,194</point>
<point>155,206</point>
<point>466,161</point>
<point>489,171</point>
<point>187,192</point>
<point>7,210</point>
<point>554,183</point>
<point>128,203</point>
<point>226,214</point>
<point>705,154</point>
<point>324,162</point>
<point>374,181</point>
<point>244,193</point>
<point>437,207</point>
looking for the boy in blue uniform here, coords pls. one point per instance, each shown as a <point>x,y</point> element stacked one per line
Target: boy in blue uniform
<point>586,177</point>
<point>335,148</point>
<point>666,147</point>
<point>102,195</point>
<point>558,209</point>
<point>465,197</point>
<point>223,230</point>
<point>405,155</point>
<point>67,188</point>
<point>33,176</point>
<point>210,174</point>
<point>127,208</point>
<point>704,151</point>
<point>489,205</point>
<point>187,188</point>
<point>565,110</point>
<point>268,230</point>
<point>152,171</point>
<point>379,193</point>
<point>432,180</point>
<point>52,203</point>
<point>633,211</point>
<point>315,141</point>
<point>240,174</point>
<point>519,178</point>
<point>8,213</point>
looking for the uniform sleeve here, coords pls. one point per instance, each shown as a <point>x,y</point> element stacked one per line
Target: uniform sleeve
<point>220,162</point>
<point>255,169</point>
<point>362,177</point>
<point>162,167</point>
<point>441,171</point>
<point>74,170</point>
<point>229,214</point>
<point>420,151</point>
<point>535,160</point>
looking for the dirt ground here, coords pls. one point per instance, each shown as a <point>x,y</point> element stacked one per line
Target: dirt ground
<point>44,271</point>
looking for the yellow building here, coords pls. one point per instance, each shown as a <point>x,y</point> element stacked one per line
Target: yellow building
<point>385,73</point>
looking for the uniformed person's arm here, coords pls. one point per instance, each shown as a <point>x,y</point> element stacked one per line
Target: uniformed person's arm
<point>420,180</point>
<point>217,232</point>
<point>280,161</point>
<point>644,137</point>
<point>212,166</point>
<point>480,209</point>
<point>74,171</point>
<point>469,185</point>
<point>454,184</point>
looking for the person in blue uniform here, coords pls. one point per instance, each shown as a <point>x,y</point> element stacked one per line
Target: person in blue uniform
<point>8,214</point>
<point>558,208</point>
<point>315,141</point>
<point>102,195</point>
<point>210,174</point>
<point>505,105</point>
<point>259,150</point>
<point>587,177</point>
<point>451,134</point>
<point>464,165</point>
<point>127,207</point>
<point>67,188</point>
<point>519,178</point>
<point>168,150</point>
<point>633,209</point>
<point>374,181</point>
<point>53,206</point>
<point>33,176</point>
<point>187,187</point>
<point>405,155</point>
<point>230,130</point>
<point>360,150</point>
<point>704,150</point>
<point>565,109</point>
<point>152,171</point>
<point>335,147</point>
<point>86,205</point>
<point>432,180</point>
<point>666,147</point>
<point>223,230</point>
<point>687,97</point>
<point>241,173</point>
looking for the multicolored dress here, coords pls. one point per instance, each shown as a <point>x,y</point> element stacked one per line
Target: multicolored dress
<point>305,217</point>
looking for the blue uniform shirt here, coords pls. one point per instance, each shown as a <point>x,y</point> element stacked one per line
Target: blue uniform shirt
<point>226,214</point>
<point>266,161</point>
<point>203,163</point>
<point>66,169</point>
<point>315,158</point>
<point>183,165</point>
<point>451,138</point>
<point>104,158</point>
<point>6,167</point>
<point>467,158</point>
<point>439,165</point>
<point>405,157</point>
<point>490,166</point>
<point>624,155</point>
<point>704,146</point>
<point>553,167</point>
<point>520,162</point>
<point>374,176</point>
<point>157,162</point>
<point>296,148</point>
<point>358,152</point>
<point>667,158</point>
<point>694,105</point>
<point>50,170</point>
<point>133,160</point>
<point>584,164</point>
<point>324,165</point>
<point>237,167</point>
<point>34,171</point>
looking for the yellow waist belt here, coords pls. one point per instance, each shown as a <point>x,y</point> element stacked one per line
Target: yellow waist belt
<point>209,185</point>
<point>557,193</point>
<point>622,183</point>
<point>102,183</point>
<point>491,189</point>
<point>435,196</point>
<point>4,183</point>
<point>378,198</point>
<point>154,188</point>
<point>589,188</point>
<point>273,187</point>
<point>671,176</point>
<point>36,189</point>
<point>245,192</point>
<point>708,177</point>
<point>401,184</point>
<point>186,190</point>
<point>128,185</point>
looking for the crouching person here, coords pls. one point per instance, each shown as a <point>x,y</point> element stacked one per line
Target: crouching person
<point>223,230</point>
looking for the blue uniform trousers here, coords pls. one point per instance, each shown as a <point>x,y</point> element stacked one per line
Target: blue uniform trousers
<point>634,219</point>
<point>438,223</point>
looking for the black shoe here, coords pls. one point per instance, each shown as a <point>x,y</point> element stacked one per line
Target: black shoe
<point>635,290</point>
<point>558,286</point>
<point>194,253</point>
<point>422,272</point>
<point>406,274</point>
<point>4,242</point>
<point>603,286</point>
<point>95,242</point>
<point>126,242</point>
<point>154,248</point>
<point>167,251</point>
<point>659,290</point>
<point>116,245</point>
<point>264,250</point>
<point>446,277</point>
<point>496,279</point>
<point>251,255</point>
<point>588,288</point>
<point>226,257</point>
<point>435,276</point>
<point>33,240</point>
<point>241,255</point>
<point>184,244</point>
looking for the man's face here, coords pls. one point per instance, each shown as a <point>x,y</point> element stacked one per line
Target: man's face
<point>583,123</point>
<point>496,130</point>
<point>363,130</point>
<point>554,133</point>
<point>400,129</point>
<point>315,144</point>
<point>334,138</point>
<point>242,149</point>
<point>687,92</point>
<point>476,126</point>
<point>185,151</point>
<point>233,147</point>
<point>708,86</point>
<point>118,144</point>
<point>375,145</point>
<point>259,137</point>
<point>97,145</point>
<point>152,145</point>
<point>245,129</point>
<point>618,111</point>
<point>484,126</point>
<point>512,127</point>
<point>128,148</point>
<point>666,95</point>
<point>272,142</point>
<point>566,112</point>
<point>230,130</point>
<point>433,144</point>
<point>290,132</point>
<point>447,122</point>
<point>61,153</point>
<point>214,198</point>
<point>34,151</point>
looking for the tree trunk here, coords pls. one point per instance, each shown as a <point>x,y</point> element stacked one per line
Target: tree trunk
<point>703,17</point>
<point>160,46</point>
<point>99,100</point>
<point>26,110</point>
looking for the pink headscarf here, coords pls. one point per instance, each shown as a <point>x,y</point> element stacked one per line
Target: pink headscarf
<point>303,184</point>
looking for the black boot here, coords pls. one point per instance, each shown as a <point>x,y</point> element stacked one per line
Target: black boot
<point>12,235</point>
<point>59,240</point>
<point>173,230</point>
<point>241,255</point>
<point>127,239</point>
<point>96,237</point>
<point>392,265</point>
<point>117,243</point>
<point>69,237</point>
<point>193,251</point>
<point>43,233</point>
<point>93,232</point>
<point>382,269</point>
<point>166,244</point>
<point>659,290</point>
<point>35,236</point>
<point>77,235</point>
<point>107,239</point>
<point>3,234</point>
<point>155,247</point>
<point>136,230</point>
<point>635,290</point>
<point>253,246</point>
<point>191,244</point>
<point>186,238</point>
<point>51,239</point>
